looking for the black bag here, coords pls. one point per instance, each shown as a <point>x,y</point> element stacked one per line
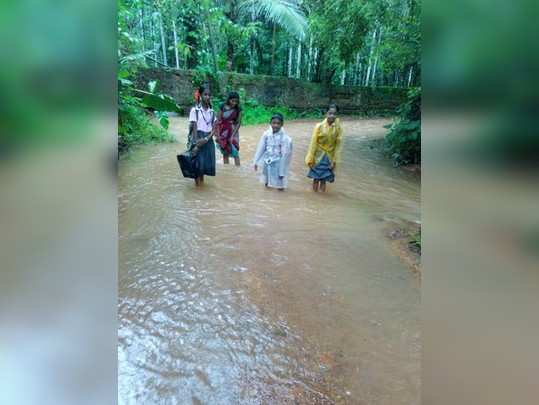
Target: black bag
<point>187,160</point>
<point>188,164</point>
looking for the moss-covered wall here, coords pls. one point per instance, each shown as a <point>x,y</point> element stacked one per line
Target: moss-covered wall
<point>271,91</point>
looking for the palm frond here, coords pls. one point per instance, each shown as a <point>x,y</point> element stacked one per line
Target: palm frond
<point>285,13</point>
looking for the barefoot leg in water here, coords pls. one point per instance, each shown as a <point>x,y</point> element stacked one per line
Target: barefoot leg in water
<point>237,160</point>
<point>315,185</point>
<point>323,186</point>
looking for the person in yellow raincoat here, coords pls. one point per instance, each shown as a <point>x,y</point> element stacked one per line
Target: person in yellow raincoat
<point>324,150</point>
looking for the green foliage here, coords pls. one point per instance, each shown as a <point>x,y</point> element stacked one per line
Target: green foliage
<point>135,123</point>
<point>338,28</point>
<point>376,42</point>
<point>285,13</point>
<point>254,113</point>
<point>162,116</point>
<point>135,126</point>
<point>205,75</point>
<point>159,102</point>
<point>403,142</point>
<point>415,241</point>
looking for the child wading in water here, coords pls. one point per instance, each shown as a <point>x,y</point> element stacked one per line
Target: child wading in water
<point>324,151</point>
<point>200,141</point>
<point>227,128</point>
<point>273,154</point>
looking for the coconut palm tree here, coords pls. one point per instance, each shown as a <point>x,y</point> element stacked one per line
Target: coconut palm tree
<point>285,14</point>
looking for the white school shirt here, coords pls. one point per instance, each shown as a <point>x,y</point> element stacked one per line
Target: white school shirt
<point>205,118</point>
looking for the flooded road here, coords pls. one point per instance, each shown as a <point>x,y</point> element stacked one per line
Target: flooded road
<point>236,294</point>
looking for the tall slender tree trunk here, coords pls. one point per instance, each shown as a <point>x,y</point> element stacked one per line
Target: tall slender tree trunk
<point>377,57</point>
<point>290,61</point>
<point>152,40</point>
<point>231,14</point>
<point>191,41</point>
<point>175,44</point>
<point>272,69</point>
<point>410,75</point>
<point>211,36</point>
<point>370,58</point>
<point>251,57</point>
<point>252,44</point>
<point>310,57</point>
<point>314,63</point>
<point>229,55</point>
<point>298,66</point>
<point>318,71</point>
<point>343,76</point>
<point>163,44</point>
<point>213,48</point>
<point>141,25</point>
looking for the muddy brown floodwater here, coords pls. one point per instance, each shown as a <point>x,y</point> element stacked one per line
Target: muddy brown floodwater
<point>236,294</point>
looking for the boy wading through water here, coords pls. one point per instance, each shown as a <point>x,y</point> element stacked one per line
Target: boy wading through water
<point>324,150</point>
<point>273,154</point>
<point>201,119</point>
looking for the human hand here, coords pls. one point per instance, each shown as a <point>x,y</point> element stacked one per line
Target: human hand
<point>333,166</point>
<point>200,142</point>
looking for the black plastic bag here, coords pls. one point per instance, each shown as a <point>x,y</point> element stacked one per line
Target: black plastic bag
<point>188,164</point>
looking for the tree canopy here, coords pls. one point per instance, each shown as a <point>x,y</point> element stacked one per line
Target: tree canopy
<point>359,42</point>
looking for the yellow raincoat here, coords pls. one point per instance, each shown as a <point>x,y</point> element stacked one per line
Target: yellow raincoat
<point>326,139</point>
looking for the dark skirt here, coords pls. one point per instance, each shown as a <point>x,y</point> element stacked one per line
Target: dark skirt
<point>322,171</point>
<point>200,164</point>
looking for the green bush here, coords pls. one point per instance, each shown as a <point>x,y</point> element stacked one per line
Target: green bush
<point>254,113</point>
<point>403,142</point>
<point>135,125</point>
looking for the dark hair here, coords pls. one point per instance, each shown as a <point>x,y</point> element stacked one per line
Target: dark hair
<point>201,91</point>
<point>333,105</point>
<point>278,116</point>
<point>230,96</point>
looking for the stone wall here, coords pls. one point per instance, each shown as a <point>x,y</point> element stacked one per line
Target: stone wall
<point>271,91</point>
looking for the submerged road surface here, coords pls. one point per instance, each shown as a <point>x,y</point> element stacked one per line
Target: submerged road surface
<point>236,294</point>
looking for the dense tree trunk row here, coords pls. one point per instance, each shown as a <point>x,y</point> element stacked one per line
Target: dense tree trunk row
<point>183,40</point>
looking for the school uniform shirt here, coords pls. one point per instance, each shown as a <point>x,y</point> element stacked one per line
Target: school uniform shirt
<point>205,118</point>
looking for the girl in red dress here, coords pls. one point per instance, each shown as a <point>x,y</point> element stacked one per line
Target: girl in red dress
<point>227,128</point>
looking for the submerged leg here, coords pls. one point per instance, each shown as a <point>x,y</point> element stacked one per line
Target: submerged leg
<point>225,159</point>
<point>197,181</point>
<point>237,160</point>
<point>323,186</point>
<point>315,185</point>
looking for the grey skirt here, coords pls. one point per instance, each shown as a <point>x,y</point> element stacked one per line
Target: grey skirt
<point>322,171</point>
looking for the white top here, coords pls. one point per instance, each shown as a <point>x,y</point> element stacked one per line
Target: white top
<point>205,118</point>
<point>274,147</point>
